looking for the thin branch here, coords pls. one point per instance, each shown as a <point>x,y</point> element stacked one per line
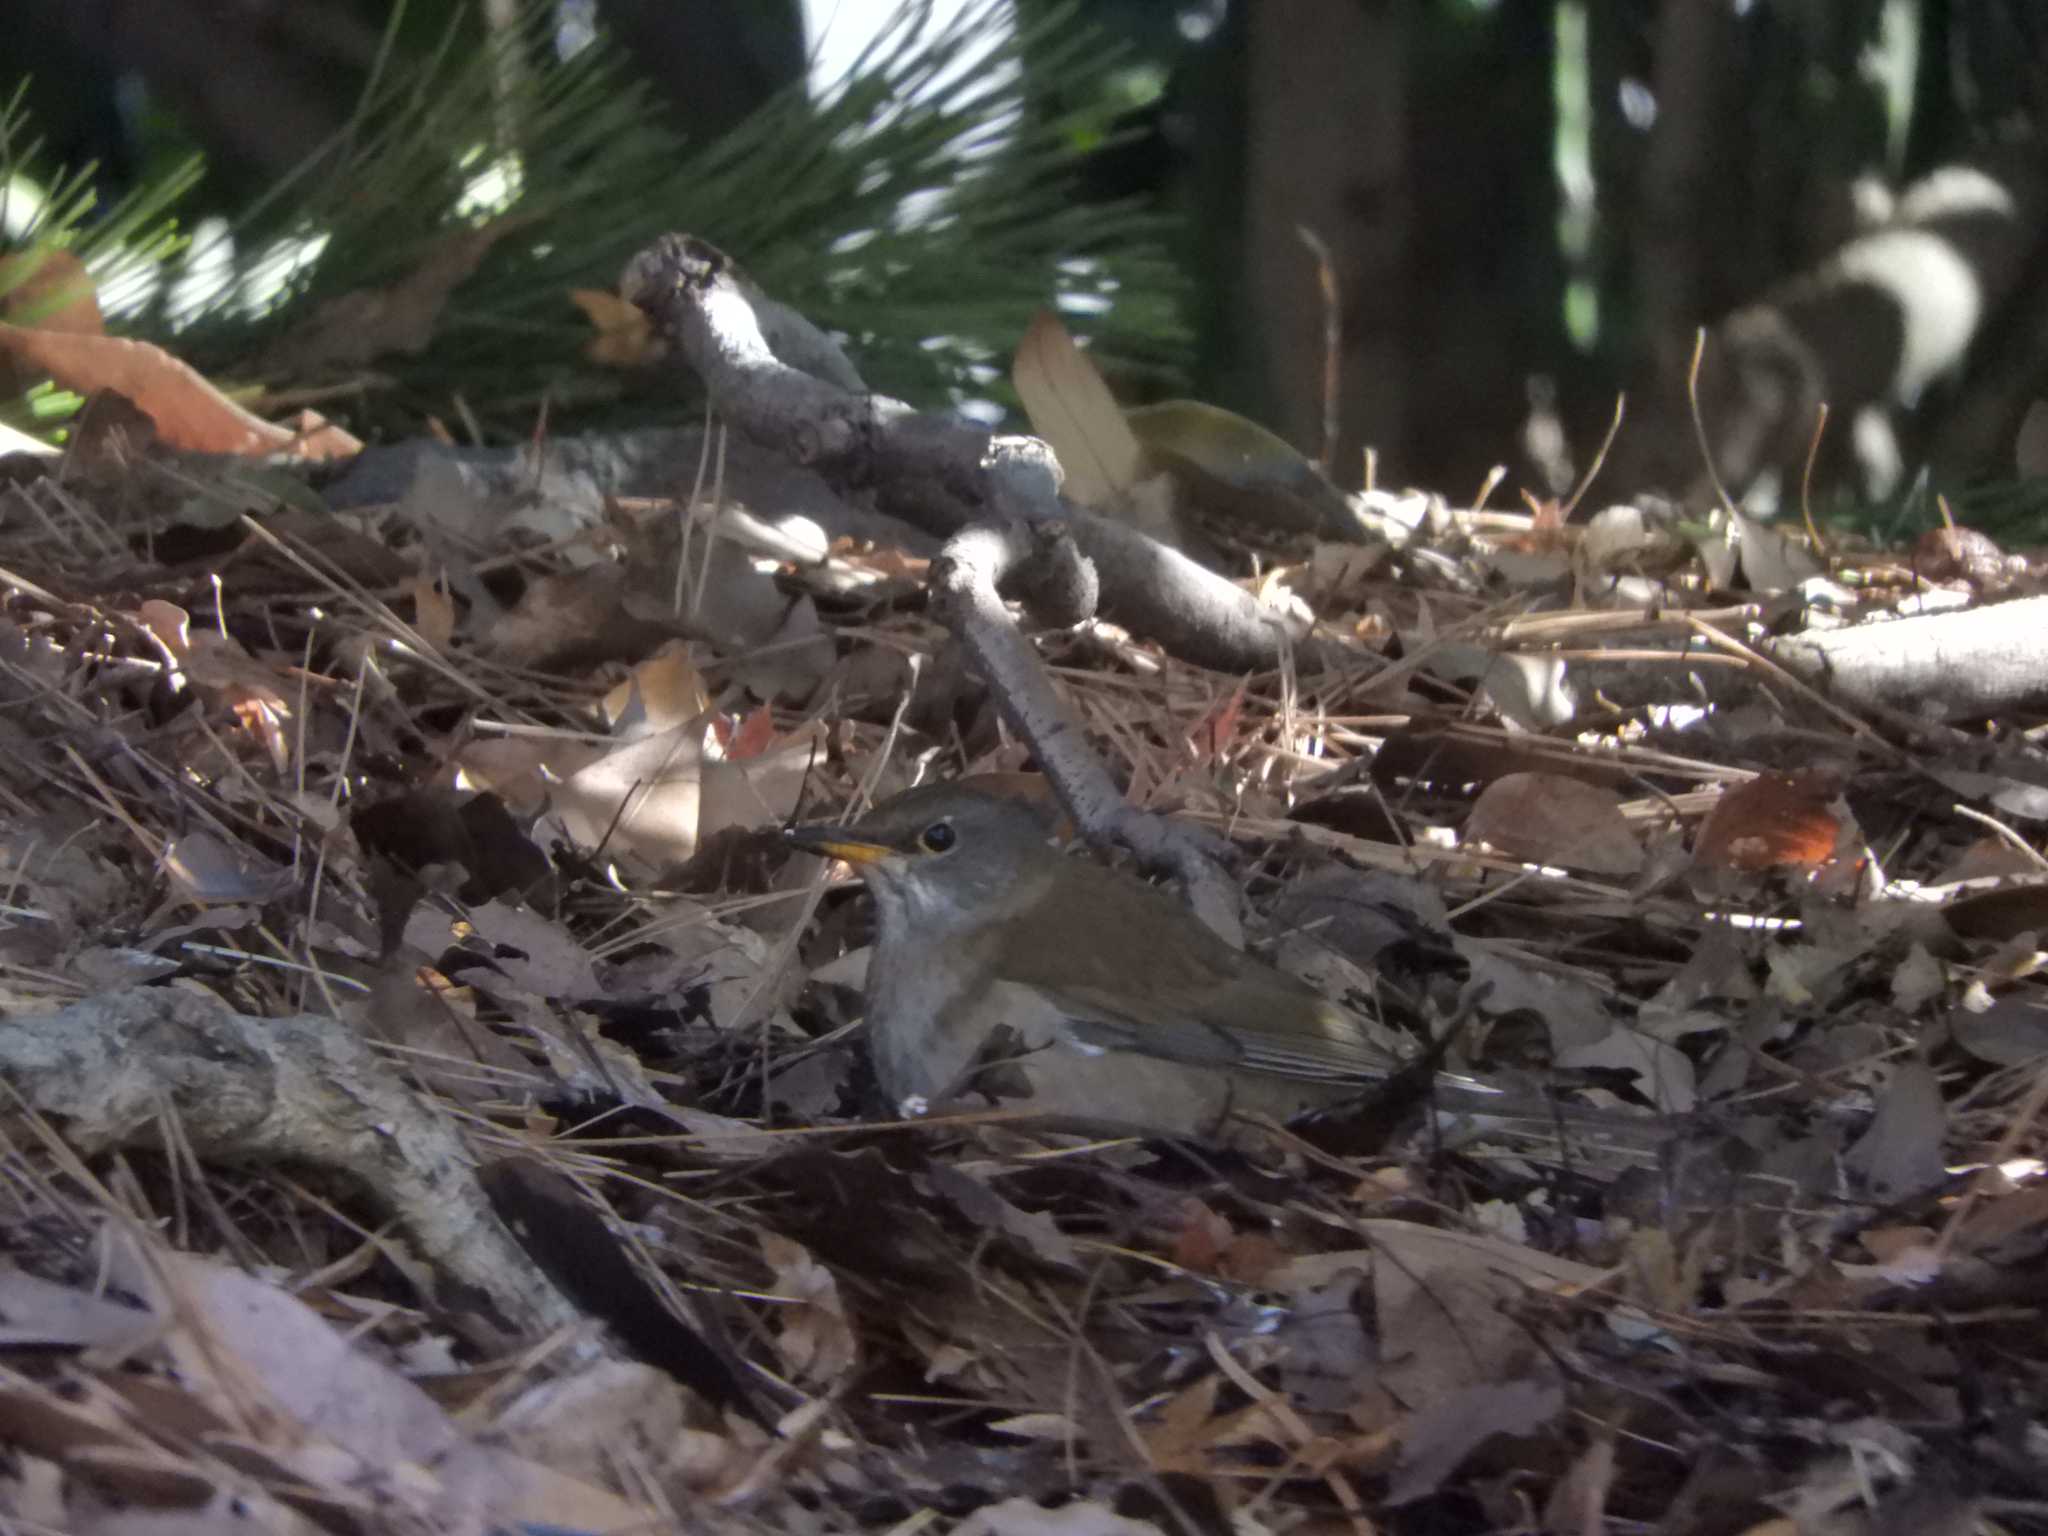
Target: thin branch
<point>928,470</point>
<point>996,502</point>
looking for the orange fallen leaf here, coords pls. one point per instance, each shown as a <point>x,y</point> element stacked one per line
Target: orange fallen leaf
<point>625,336</point>
<point>664,691</point>
<point>1775,821</point>
<point>190,414</point>
<point>753,735</point>
<point>1216,730</point>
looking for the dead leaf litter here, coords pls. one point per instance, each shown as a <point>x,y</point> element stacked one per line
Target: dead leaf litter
<point>350,854</point>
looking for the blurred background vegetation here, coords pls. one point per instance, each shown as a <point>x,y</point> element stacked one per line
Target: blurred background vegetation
<point>1529,205</point>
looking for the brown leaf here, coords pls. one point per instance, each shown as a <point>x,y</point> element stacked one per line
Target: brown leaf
<point>662,692</point>
<point>1027,1517</point>
<point>1547,818</point>
<point>315,437</point>
<point>421,1013</point>
<point>1951,556</point>
<point>641,797</point>
<point>2011,1032</point>
<point>751,737</point>
<point>1988,858</point>
<point>1448,1430</point>
<point>208,868</point>
<point>1772,561</point>
<point>816,1340</point>
<point>1900,1154</point>
<point>1180,1430</point>
<point>1215,731</point>
<point>1202,1237</point>
<point>190,414</point>
<point>433,612</point>
<point>573,619</point>
<point>2007,1214</point>
<point>353,329</point>
<point>1072,409</point>
<point>2005,912</point>
<point>761,790</point>
<point>49,290</point>
<point>108,433</point>
<point>1775,821</point>
<point>1034,1232</point>
<point>228,676</point>
<point>511,767</point>
<point>230,1333</point>
<point>41,1313</point>
<point>209,658</point>
<point>1206,1244</point>
<point>625,337</point>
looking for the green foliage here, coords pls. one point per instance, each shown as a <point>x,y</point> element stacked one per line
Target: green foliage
<point>136,233</point>
<point>809,197</point>
<point>2010,511</point>
<point>2013,512</point>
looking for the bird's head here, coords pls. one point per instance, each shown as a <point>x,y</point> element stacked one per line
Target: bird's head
<point>945,851</point>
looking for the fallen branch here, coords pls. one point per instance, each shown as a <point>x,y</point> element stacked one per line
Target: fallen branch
<point>1942,666</point>
<point>928,470</point>
<point>300,1090</point>
<point>996,502</point>
<point>965,579</point>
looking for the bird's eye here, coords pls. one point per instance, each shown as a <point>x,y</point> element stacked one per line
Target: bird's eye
<point>937,837</point>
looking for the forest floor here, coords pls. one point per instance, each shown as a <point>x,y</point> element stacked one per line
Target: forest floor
<point>370,873</point>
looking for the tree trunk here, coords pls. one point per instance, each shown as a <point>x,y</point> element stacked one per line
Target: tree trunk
<point>1686,163</point>
<point>1327,149</point>
<point>1485,312</point>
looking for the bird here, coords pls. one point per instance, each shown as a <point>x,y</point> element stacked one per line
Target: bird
<point>1006,969</point>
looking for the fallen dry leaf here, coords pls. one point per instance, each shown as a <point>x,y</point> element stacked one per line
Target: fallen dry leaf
<point>625,338</point>
<point>1447,1431</point>
<point>1072,409</point>
<point>753,734</point>
<point>1774,821</point>
<point>190,413</point>
<point>662,692</point>
<point>354,329</point>
<point>50,290</point>
<point>815,1338</point>
<point>638,799</point>
<point>1549,818</point>
<point>433,612</point>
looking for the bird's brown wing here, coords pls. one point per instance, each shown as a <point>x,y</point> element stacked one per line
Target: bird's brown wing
<point>1168,987</point>
<point>1201,1034</point>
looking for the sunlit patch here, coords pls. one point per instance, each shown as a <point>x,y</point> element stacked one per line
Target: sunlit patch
<point>492,188</point>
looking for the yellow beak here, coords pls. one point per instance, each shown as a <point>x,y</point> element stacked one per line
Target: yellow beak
<point>837,843</point>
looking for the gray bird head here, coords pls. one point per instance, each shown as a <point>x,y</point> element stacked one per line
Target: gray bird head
<point>942,856</point>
